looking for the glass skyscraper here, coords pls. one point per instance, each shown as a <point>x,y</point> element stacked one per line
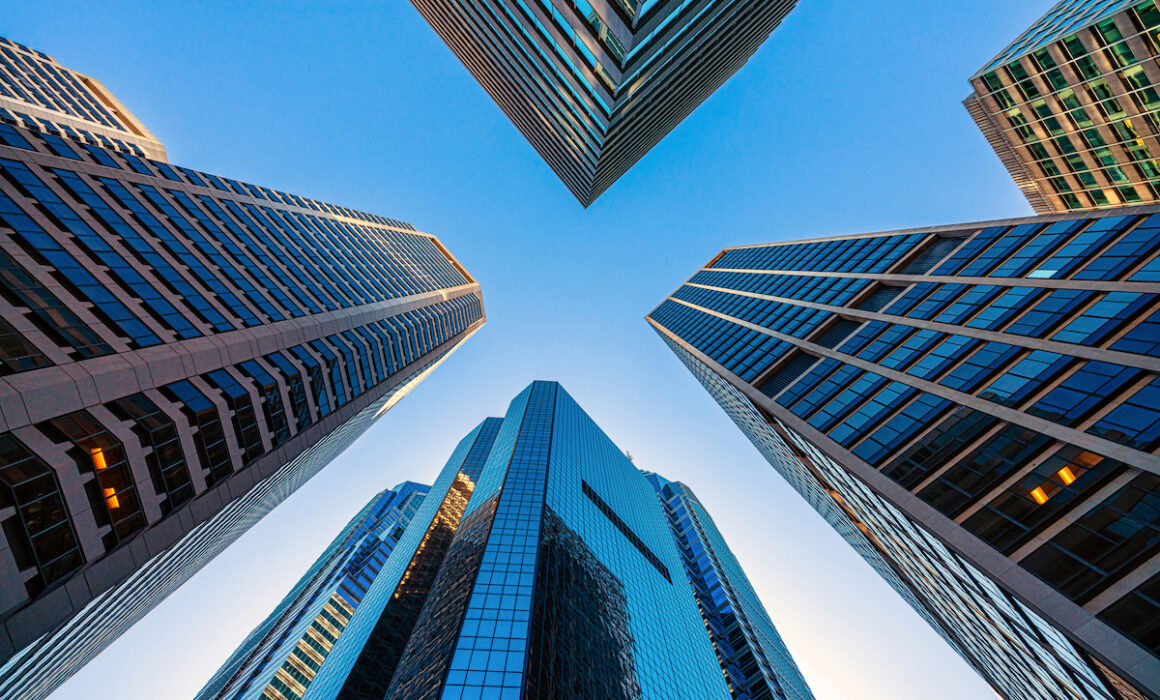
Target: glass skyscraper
<point>178,353</point>
<point>755,660</point>
<point>976,409</point>
<point>541,564</point>
<point>281,656</point>
<point>594,85</point>
<point>1072,106</point>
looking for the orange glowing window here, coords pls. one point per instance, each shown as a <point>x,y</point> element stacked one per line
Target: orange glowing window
<point>1039,495</point>
<point>98,458</point>
<point>111,498</point>
<point>1066,475</point>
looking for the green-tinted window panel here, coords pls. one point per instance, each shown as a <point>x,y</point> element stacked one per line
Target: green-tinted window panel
<point>1149,15</point>
<point>1074,46</point>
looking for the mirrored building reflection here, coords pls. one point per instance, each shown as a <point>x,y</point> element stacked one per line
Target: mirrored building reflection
<point>975,408</point>
<point>541,564</point>
<point>593,85</point>
<point>179,352</point>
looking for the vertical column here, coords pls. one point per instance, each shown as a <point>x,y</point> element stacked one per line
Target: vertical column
<point>491,650</point>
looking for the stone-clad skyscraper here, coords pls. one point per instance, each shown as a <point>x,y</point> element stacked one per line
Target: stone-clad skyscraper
<point>594,84</point>
<point>541,565</point>
<point>976,409</point>
<point>178,353</point>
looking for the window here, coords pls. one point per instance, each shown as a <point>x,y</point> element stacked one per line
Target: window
<point>213,452</point>
<point>1107,542</point>
<point>1135,422</point>
<point>1013,517</point>
<point>162,448</point>
<point>245,422</point>
<point>41,532</point>
<point>272,407</point>
<point>979,472</point>
<point>112,493</point>
<point>1083,392</point>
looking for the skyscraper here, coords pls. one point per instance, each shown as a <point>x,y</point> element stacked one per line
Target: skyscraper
<point>976,409</point>
<point>542,565</point>
<point>755,660</point>
<point>178,353</point>
<point>594,85</point>
<point>281,655</point>
<point>1071,106</point>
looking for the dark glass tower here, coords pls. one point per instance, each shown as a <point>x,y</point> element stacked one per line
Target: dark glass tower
<point>282,655</point>
<point>976,408</point>
<point>178,353</point>
<point>756,662</point>
<point>541,565</point>
<point>594,85</point>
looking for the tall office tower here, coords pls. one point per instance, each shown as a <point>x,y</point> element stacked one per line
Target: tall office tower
<point>178,353</point>
<point>755,661</point>
<point>286,650</point>
<point>1072,107</point>
<point>540,565</point>
<point>976,409</point>
<point>594,84</point>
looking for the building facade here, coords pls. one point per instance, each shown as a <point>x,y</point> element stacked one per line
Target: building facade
<point>975,409</point>
<point>286,650</point>
<point>1072,107</point>
<point>542,565</point>
<point>178,353</point>
<point>756,663</point>
<point>594,84</point>
<point>34,86</point>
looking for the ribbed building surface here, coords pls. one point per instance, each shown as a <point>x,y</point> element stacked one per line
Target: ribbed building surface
<point>178,353</point>
<point>280,658</point>
<point>976,409</point>
<point>594,84</point>
<point>541,565</point>
<point>35,87</point>
<point>1072,107</point>
<point>756,663</point>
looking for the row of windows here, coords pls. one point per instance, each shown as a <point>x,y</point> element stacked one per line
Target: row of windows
<point>40,81</point>
<point>42,532</point>
<point>797,321</point>
<point>999,372</point>
<point>51,133</point>
<point>1063,18</point>
<point>98,147</point>
<point>742,351</point>
<point>870,255</point>
<point>412,263</point>
<point>1106,248</point>
<point>835,291</point>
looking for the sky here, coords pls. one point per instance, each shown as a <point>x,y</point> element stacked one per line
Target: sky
<point>847,120</point>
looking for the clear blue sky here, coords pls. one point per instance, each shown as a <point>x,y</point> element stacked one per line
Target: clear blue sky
<point>847,120</point>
